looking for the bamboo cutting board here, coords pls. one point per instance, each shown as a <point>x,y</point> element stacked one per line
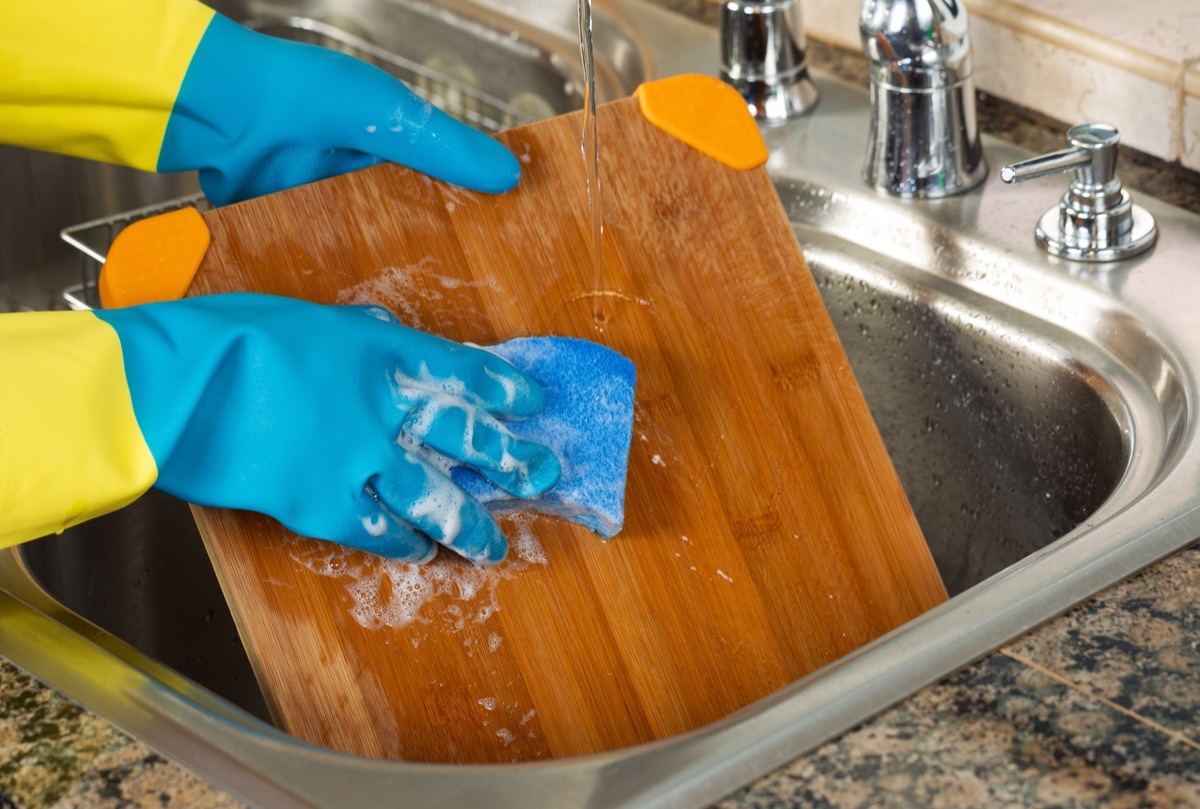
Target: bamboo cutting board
<point>766,532</point>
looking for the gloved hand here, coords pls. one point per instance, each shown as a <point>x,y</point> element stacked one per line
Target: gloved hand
<point>171,86</point>
<point>257,114</point>
<point>293,409</point>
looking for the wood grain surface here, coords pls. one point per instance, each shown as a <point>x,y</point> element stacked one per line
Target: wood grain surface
<point>766,532</point>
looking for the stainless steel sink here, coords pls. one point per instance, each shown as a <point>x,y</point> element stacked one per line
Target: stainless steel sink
<point>1002,431</point>
<point>1040,415</point>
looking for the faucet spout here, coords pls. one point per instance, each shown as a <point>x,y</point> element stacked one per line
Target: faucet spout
<point>924,139</point>
<point>763,57</point>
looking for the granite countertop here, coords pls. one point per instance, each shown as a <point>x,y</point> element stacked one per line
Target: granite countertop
<point>55,753</point>
<point>1099,708</point>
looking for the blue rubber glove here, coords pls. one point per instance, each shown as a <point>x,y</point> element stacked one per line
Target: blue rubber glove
<point>337,421</point>
<point>257,114</point>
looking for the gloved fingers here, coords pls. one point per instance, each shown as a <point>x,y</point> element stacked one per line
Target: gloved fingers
<point>381,533</point>
<point>472,437</point>
<point>507,392</point>
<point>279,169</point>
<point>408,130</point>
<point>364,523</point>
<point>430,367</point>
<point>427,500</point>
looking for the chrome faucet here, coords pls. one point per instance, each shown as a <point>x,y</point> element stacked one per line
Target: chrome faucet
<point>763,57</point>
<point>923,140</point>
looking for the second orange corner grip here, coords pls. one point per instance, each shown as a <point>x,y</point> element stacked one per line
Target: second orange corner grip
<point>707,114</point>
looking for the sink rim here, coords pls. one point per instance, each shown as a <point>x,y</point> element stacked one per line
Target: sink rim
<point>253,760</point>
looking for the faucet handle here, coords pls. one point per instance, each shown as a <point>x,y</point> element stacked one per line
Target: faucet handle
<point>1095,220</point>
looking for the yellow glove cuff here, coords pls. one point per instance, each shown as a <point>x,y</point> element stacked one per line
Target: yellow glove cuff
<point>95,80</point>
<point>70,446</point>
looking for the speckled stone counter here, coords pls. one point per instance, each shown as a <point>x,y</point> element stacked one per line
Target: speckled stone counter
<point>1099,708</point>
<point>55,753</point>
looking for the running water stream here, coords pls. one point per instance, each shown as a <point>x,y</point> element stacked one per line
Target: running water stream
<point>590,146</point>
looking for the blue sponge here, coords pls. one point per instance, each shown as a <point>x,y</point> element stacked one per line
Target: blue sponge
<point>587,421</point>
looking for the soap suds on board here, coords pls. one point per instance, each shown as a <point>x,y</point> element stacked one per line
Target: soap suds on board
<point>394,594</point>
<point>414,292</point>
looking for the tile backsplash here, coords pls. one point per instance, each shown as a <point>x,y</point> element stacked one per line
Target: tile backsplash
<point>1134,65</point>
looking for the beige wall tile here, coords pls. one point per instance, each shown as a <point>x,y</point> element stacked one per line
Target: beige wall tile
<point>1076,61</point>
<point>834,21</point>
<point>1190,156</point>
<point>1075,88</point>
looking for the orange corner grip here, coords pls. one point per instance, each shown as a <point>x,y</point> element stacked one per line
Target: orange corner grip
<point>154,259</point>
<point>707,114</point>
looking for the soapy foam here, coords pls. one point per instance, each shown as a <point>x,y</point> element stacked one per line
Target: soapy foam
<point>429,457</point>
<point>426,384</point>
<point>389,593</point>
<point>375,525</point>
<point>429,398</point>
<point>507,384</point>
<point>428,406</point>
<point>438,510</point>
<point>411,126</point>
<point>409,291</point>
<point>386,593</point>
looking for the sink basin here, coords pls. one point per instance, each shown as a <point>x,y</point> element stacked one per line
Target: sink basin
<point>1039,414</point>
<point>1003,434</point>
